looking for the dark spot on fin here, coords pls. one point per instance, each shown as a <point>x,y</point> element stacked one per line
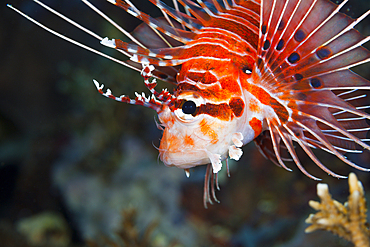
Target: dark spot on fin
<point>266,45</point>
<point>264,29</point>
<point>298,77</point>
<point>315,82</point>
<point>280,45</point>
<point>299,35</point>
<point>323,53</point>
<point>259,62</point>
<point>281,25</point>
<point>294,57</point>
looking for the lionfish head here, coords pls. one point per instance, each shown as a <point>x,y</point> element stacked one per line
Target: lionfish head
<point>199,128</point>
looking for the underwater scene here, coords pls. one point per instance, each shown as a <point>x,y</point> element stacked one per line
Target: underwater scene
<point>79,169</point>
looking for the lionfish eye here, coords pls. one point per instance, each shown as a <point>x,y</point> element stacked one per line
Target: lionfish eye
<point>189,107</point>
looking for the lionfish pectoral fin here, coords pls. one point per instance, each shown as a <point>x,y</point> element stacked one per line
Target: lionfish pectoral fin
<point>264,144</point>
<point>305,51</point>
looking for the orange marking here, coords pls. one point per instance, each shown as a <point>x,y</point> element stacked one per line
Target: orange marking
<point>188,141</point>
<point>256,125</point>
<point>253,106</point>
<point>208,131</point>
<point>170,142</point>
<point>230,85</point>
<point>205,78</point>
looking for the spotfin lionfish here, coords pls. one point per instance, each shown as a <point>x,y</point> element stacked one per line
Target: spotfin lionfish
<point>271,71</point>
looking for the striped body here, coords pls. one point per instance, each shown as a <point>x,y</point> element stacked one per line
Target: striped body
<point>214,70</point>
<point>272,71</point>
<point>274,76</point>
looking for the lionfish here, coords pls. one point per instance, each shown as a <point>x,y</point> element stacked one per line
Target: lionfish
<point>273,71</point>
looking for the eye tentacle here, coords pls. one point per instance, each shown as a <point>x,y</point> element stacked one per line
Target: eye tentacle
<point>155,101</point>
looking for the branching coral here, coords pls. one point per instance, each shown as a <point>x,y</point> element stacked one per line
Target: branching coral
<point>347,220</point>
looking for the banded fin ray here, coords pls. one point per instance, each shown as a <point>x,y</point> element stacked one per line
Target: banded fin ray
<point>175,56</point>
<point>175,33</point>
<point>305,52</point>
<point>186,20</point>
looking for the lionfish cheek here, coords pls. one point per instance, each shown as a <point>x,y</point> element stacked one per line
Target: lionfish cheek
<point>207,130</point>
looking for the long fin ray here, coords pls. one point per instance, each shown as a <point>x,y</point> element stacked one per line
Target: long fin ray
<point>322,139</point>
<point>311,154</point>
<point>304,54</point>
<point>275,138</point>
<point>195,10</point>
<point>73,41</point>
<point>177,34</point>
<point>289,144</point>
<point>186,20</point>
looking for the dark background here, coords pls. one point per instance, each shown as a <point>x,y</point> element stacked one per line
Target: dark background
<point>67,150</point>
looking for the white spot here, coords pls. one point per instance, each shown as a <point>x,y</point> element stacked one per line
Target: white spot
<point>112,1</point>
<point>109,92</point>
<point>153,25</point>
<point>248,72</point>
<point>139,97</point>
<point>151,54</point>
<point>161,63</point>
<point>215,161</point>
<point>168,57</point>
<point>97,84</point>
<point>235,153</point>
<point>134,58</point>
<point>187,172</point>
<point>132,12</point>
<point>151,67</point>
<point>131,50</point>
<point>109,43</point>
<point>145,60</point>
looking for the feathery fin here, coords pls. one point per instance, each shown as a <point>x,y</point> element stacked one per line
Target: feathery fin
<point>305,51</point>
